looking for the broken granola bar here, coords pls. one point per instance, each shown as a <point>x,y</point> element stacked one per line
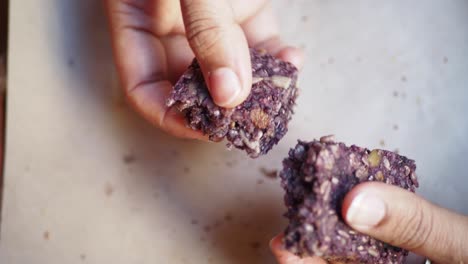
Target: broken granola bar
<point>316,176</point>
<point>259,122</point>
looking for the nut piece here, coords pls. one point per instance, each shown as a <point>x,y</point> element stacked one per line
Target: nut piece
<point>281,81</point>
<point>373,252</point>
<point>361,173</point>
<point>256,80</point>
<point>325,189</point>
<point>327,139</point>
<point>379,176</point>
<point>259,118</point>
<point>374,158</point>
<point>386,163</point>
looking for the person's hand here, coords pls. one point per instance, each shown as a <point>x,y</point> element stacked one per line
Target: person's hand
<point>154,41</point>
<point>402,219</point>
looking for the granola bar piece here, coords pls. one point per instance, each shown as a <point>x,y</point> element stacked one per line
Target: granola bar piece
<point>259,122</point>
<point>316,176</point>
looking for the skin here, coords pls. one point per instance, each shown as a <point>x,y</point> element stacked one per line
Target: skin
<point>408,221</point>
<point>155,40</point>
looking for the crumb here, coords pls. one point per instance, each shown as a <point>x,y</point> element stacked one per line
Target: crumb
<point>445,60</point>
<point>418,100</point>
<point>46,235</point>
<point>175,153</point>
<point>331,60</point>
<point>382,143</point>
<point>255,245</point>
<point>128,158</point>
<point>82,256</point>
<point>245,225</point>
<point>304,18</point>
<point>194,222</point>
<point>228,217</point>
<point>156,195</point>
<point>108,189</point>
<point>260,181</point>
<point>395,127</point>
<point>230,164</point>
<point>403,78</point>
<point>217,223</point>
<point>395,93</point>
<point>186,170</point>
<point>71,63</point>
<point>207,228</point>
<point>272,174</point>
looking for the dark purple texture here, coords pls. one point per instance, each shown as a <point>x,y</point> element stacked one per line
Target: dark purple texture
<point>259,122</point>
<point>316,176</point>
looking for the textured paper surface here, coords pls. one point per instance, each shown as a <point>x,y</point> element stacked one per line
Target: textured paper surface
<point>88,181</point>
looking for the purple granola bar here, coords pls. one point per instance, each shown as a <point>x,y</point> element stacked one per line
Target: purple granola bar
<point>316,176</point>
<point>254,126</point>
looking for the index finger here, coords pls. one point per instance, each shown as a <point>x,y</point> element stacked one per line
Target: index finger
<point>221,49</point>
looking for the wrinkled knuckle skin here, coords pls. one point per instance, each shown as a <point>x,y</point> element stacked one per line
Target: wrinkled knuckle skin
<point>203,34</point>
<point>415,229</point>
<point>204,30</point>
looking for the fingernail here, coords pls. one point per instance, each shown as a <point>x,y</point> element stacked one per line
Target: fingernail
<point>271,242</point>
<point>225,86</point>
<point>366,211</point>
<point>275,243</point>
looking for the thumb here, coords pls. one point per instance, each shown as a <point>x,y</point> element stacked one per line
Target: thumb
<point>221,49</point>
<point>403,219</point>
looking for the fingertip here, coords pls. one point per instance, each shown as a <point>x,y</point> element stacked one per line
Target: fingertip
<point>293,55</point>
<point>276,243</point>
<point>356,195</point>
<point>225,87</point>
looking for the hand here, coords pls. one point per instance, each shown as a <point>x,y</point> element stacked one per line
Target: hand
<point>155,40</point>
<point>399,218</point>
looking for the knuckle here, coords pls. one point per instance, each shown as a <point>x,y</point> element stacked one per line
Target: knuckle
<point>413,232</point>
<point>204,31</point>
<point>140,15</point>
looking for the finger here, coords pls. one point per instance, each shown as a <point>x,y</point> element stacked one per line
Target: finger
<point>221,49</point>
<point>403,219</point>
<point>178,53</point>
<point>149,100</point>
<point>262,31</point>
<point>141,62</point>
<point>285,257</point>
